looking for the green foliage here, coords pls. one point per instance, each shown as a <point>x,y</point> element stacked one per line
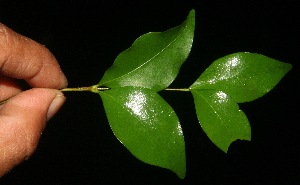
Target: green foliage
<point>244,76</point>
<point>220,117</point>
<point>236,78</point>
<point>154,59</point>
<point>148,126</point>
<point>143,122</point>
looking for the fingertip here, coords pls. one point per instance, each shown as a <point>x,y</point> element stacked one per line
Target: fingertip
<point>55,105</point>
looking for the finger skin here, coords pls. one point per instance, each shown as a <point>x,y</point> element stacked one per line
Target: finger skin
<point>22,120</point>
<point>23,117</point>
<point>8,87</point>
<point>23,58</point>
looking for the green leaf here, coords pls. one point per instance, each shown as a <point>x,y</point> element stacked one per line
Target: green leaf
<point>244,76</point>
<point>154,59</point>
<point>220,118</point>
<point>147,126</point>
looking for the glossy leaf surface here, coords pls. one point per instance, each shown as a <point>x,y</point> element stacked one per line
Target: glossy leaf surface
<point>147,126</point>
<point>243,76</point>
<point>220,118</point>
<point>154,59</point>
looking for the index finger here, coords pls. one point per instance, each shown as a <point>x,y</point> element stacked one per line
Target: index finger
<point>23,58</point>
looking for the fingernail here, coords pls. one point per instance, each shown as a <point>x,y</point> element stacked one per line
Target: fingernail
<point>55,105</point>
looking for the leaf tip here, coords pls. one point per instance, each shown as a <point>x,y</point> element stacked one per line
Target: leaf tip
<point>191,16</point>
<point>192,13</point>
<point>289,67</point>
<point>181,175</point>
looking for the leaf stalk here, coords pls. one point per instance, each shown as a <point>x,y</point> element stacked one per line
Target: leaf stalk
<point>176,89</point>
<point>93,88</point>
<point>96,89</point>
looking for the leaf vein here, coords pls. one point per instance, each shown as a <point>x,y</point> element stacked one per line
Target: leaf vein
<point>146,62</point>
<point>222,122</point>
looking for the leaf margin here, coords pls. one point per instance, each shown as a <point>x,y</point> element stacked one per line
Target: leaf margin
<point>243,92</point>
<point>212,135</point>
<point>189,22</point>
<point>180,171</point>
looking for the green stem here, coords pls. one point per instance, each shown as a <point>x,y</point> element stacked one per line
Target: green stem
<point>97,89</point>
<point>174,89</point>
<point>93,88</point>
<point>76,89</point>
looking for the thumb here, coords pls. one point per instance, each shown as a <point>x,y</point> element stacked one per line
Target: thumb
<point>22,120</point>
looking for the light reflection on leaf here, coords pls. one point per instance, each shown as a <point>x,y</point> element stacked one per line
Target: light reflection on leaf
<point>147,126</point>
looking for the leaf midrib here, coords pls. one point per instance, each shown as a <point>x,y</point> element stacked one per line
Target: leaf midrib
<point>149,60</point>
<point>201,82</point>
<point>216,113</point>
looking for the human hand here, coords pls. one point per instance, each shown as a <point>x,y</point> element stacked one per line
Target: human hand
<point>23,117</point>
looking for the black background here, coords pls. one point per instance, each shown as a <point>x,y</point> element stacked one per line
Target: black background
<point>78,146</point>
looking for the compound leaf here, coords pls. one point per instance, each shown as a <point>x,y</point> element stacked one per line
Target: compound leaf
<point>154,59</point>
<point>147,126</point>
<point>243,76</point>
<point>220,118</point>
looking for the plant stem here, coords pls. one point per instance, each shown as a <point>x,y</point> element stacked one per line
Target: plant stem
<point>76,89</point>
<point>93,88</point>
<point>97,89</point>
<point>174,89</point>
